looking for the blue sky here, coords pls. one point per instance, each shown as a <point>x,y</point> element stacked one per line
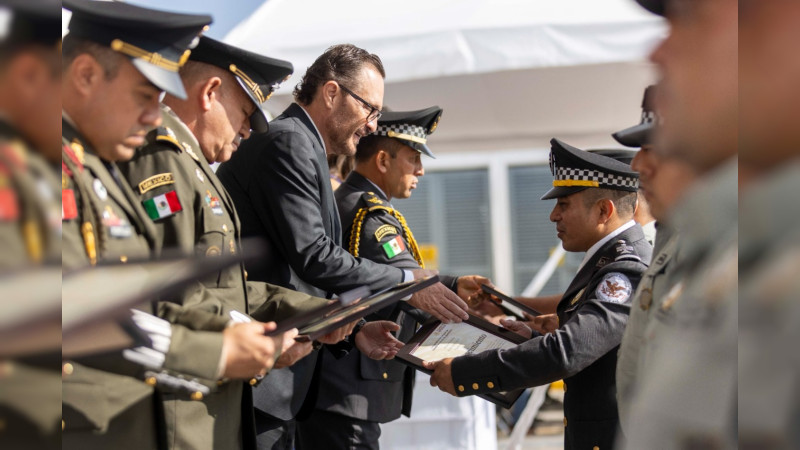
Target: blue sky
<point>227,13</point>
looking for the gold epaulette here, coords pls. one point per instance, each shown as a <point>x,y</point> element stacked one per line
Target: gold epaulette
<point>165,134</point>
<point>381,205</point>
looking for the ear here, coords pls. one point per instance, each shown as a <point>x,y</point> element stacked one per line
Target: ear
<point>382,161</point>
<point>329,91</point>
<point>606,210</point>
<point>85,74</point>
<point>209,93</point>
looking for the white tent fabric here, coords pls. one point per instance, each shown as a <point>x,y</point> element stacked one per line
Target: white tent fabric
<point>510,74</point>
<point>432,38</point>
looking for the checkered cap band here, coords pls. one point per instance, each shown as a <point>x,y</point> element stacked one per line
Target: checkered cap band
<point>648,116</point>
<point>404,128</point>
<point>603,179</point>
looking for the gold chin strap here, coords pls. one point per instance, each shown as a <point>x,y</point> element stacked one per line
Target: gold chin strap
<point>355,232</point>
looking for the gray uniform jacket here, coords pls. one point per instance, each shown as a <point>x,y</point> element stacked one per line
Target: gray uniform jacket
<point>279,183</point>
<point>582,351</point>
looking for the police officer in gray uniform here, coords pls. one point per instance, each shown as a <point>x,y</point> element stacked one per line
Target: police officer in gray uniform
<point>596,197</point>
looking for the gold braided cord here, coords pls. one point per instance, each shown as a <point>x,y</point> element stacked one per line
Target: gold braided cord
<point>409,237</point>
<point>249,82</point>
<point>355,232</point>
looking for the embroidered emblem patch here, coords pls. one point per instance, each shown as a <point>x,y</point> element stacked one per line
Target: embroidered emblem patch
<point>383,231</point>
<point>156,181</point>
<point>163,205</point>
<point>623,248</point>
<point>614,288</point>
<point>213,203</point>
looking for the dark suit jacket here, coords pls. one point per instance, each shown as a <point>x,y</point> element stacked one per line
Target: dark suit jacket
<point>279,183</point>
<point>582,351</point>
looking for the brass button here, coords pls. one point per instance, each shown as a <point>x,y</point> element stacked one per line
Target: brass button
<point>385,375</point>
<point>245,275</point>
<point>150,381</point>
<point>475,386</point>
<point>460,388</point>
<point>63,425</point>
<point>68,369</point>
<point>196,395</point>
<point>253,381</point>
<point>565,422</point>
<point>490,385</point>
<point>123,259</point>
<point>595,448</point>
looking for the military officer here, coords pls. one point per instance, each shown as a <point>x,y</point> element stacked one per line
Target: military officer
<point>595,200</point>
<point>226,88</point>
<point>388,165</point>
<point>662,182</point>
<point>118,58</point>
<point>30,230</point>
<point>687,393</point>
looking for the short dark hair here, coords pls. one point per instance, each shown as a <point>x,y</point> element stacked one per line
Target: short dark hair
<point>340,63</point>
<point>108,59</point>
<point>624,201</point>
<point>370,145</point>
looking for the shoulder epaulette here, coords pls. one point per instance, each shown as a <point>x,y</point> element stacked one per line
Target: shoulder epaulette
<point>372,199</point>
<point>629,257</point>
<point>165,134</point>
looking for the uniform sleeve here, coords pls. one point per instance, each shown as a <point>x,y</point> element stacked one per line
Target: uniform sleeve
<point>287,201</point>
<point>381,240</point>
<point>595,329</point>
<point>275,303</point>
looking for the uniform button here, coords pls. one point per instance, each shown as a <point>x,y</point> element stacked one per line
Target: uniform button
<point>565,422</point>
<point>475,386</point>
<point>123,259</point>
<point>225,227</point>
<point>595,448</point>
<point>460,388</point>
<point>150,381</point>
<point>245,275</point>
<point>385,375</point>
<point>490,385</point>
<point>196,395</point>
<point>63,424</point>
<point>253,381</point>
<point>68,369</point>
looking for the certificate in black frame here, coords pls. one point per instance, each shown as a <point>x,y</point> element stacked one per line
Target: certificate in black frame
<point>504,399</point>
<point>325,319</point>
<point>504,298</point>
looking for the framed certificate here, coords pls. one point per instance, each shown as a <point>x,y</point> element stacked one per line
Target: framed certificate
<point>321,321</point>
<point>436,341</point>
<point>510,306</point>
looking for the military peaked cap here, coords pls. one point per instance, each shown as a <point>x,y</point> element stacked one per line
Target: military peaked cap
<point>621,155</point>
<point>410,127</point>
<point>654,6</point>
<point>641,134</point>
<point>575,170</point>
<point>158,42</point>
<point>32,21</point>
<point>258,75</point>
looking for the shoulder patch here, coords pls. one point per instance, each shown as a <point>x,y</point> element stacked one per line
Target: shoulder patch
<point>615,287</point>
<point>155,181</point>
<point>165,134</point>
<point>385,230</point>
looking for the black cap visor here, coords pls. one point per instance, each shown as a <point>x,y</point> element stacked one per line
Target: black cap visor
<point>562,191</point>
<point>164,79</point>
<point>635,136</point>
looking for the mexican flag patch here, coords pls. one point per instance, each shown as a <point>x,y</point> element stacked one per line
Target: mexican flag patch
<point>163,205</point>
<point>394,247</point>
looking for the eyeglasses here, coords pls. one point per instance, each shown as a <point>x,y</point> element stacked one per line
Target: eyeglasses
<point>374,113</point>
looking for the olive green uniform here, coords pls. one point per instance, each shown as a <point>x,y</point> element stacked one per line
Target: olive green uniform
<point>102,222</point>
<point>201,220</point>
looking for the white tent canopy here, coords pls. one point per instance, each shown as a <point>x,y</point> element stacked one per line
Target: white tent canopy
<point>508,73</point>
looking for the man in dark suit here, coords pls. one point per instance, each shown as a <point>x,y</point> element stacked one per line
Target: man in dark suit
<point>280,186</point>
<point>357,393</point>
<point>596,198</point>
